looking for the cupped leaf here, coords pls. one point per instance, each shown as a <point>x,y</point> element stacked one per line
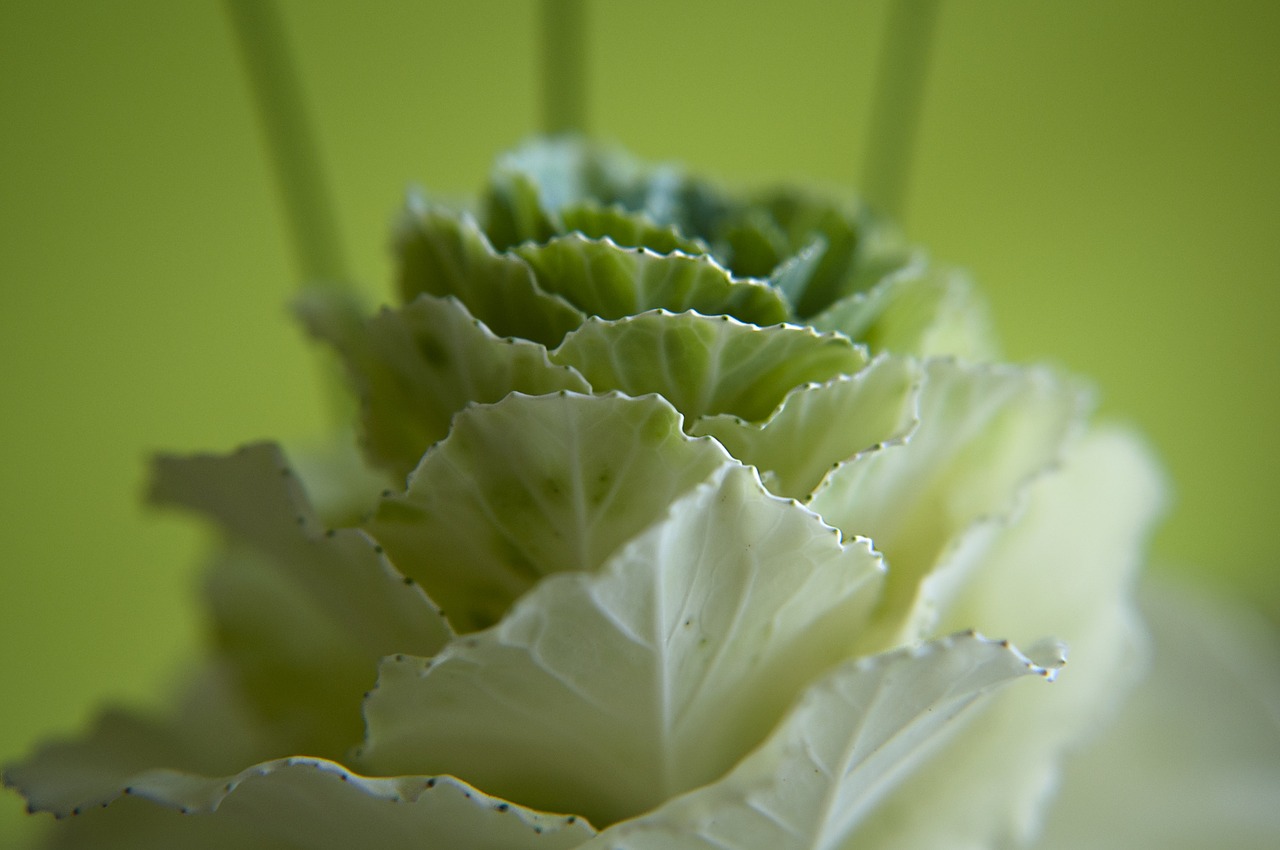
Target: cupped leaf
<point>705,365</point>
<point>804,217</point>
<point>851,738</point>
<point>602,279</point>
<point>417,366</point>
<point>444,254</point>
<point>1063,565</point>
<point>568,169</point>
<point>752,243</point>
<point>304,613</point>
<point>610,692</point>
<point>626,228</point>
<point>320,805</point>
<point>984,432</point>
<point>533,187</point>
<point>820,425</point>
<point>920,309</point>
<point>514,213</point>
<point>536,485</point>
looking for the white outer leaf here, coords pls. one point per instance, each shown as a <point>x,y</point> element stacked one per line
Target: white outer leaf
<point>1065,566</point>
<point>985,432</point>
<point>321,805</point>
<point>851,737</point>
<point>611,692</point>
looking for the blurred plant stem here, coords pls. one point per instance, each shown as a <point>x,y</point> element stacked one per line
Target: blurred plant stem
<point>897,104</point>
<point>564,72</point>
<point>295,160</point>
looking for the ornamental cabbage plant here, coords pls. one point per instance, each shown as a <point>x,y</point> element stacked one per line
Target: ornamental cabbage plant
<point>708,520</point>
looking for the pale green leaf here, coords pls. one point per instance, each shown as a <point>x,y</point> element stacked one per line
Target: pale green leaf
<point>820,425</point>
<point>705,365</point>
<point>984,432</point>
<point>342,486</point>
<point>304,613</point>
<point>850,739</point>
<point>611,692</point>
<point>320,805</point>
<point>442,254</point>
<point>1063,564</point>
<point>922,310</point>
<point>602,279</point>
<point>417,366</point>
<point>536,485</point>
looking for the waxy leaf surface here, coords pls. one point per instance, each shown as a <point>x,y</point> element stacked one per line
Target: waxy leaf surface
<point>443,254</point>
<point>535,485</point>
<point>984,432</point>
<point>415,367</point>
<point>611,692</point>
<point>705,365</point>
<point>849,740</point>
<point>605,280</point>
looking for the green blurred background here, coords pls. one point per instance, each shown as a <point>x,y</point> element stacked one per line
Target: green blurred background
<point>1108,171</point>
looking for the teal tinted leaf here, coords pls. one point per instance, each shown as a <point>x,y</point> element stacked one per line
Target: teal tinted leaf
<point>627,229</point>
<point>320,805</point>
<point>536,485</point>
<point>820,425</point>
<point>442,254</point>
<point>921,310</point>
<point>752,243</point>
<point>984,433</point>
<point>793,276</point>
<point>567,170</point>
<point>513,212</point>
<point>803,218</point>
<point>304,613</point>
<point>850,739</point>
<point>705,365</point>
<point>604,280</point>
<point>417,366</point>
<point>610,692</point>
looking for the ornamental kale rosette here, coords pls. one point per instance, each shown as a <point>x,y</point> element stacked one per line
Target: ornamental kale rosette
<point>694,503</point>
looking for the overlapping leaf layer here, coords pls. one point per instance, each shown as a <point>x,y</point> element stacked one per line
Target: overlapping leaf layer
<point>697,497</point>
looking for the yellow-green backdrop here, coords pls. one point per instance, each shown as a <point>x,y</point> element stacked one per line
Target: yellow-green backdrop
<point>1109,172</point>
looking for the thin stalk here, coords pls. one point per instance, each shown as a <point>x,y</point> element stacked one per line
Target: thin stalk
<point>564,66</point>
<point>291,145</point>
<point>295,161</point>
<point>897,104</point>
